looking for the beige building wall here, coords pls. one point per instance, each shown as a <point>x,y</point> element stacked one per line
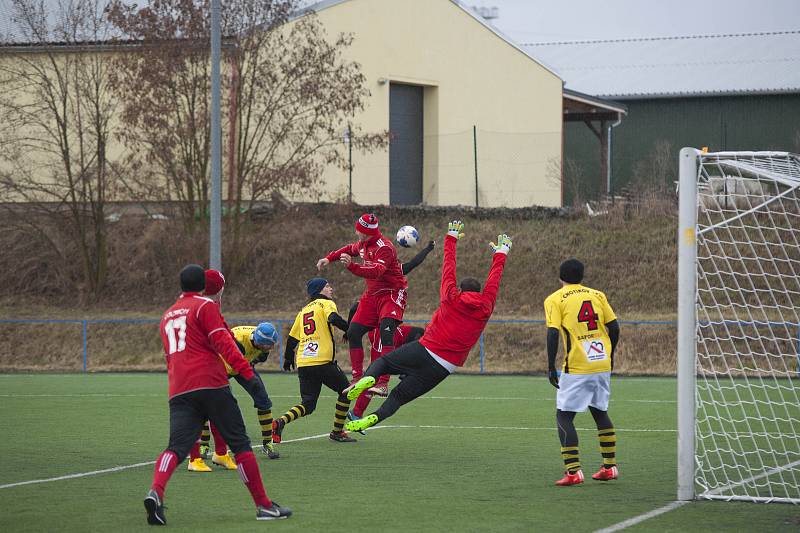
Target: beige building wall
<point>472,77</point>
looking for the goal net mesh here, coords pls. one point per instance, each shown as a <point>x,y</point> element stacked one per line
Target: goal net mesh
<point>748,327</point>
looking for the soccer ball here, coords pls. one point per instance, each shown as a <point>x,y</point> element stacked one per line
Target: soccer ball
<point>407,236</point>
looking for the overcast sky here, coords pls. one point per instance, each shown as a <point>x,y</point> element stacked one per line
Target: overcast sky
<point>569,20</point>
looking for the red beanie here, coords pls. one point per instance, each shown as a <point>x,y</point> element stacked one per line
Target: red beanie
<point>215,282</point>
<point>367,224</point>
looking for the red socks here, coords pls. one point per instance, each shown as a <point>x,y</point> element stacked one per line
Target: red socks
<point>386,349</point>
<point>357,362</point>
<point>194,453</point>
<point>251,477</point>
<point>165,466</point>
<point>246,465</point>
<point>363,401</point>
<point>220,446</point>
<point>361,404</point>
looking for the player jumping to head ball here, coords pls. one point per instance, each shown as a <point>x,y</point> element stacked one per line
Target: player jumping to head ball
<point>590,331</point>
<point>384,299</point>
<point>454,329</point>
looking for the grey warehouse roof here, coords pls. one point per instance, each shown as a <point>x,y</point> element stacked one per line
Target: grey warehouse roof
<point>701,65</point>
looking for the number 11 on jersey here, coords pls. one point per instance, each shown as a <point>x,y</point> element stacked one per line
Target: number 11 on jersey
<point>176,344</point>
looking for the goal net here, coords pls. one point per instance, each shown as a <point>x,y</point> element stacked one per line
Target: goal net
<point>739,326</point>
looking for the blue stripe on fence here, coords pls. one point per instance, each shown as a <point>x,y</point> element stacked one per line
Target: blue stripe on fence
<point>280,323</point>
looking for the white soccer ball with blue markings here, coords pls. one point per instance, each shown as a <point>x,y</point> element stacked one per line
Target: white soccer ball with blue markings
<point>407,236</point>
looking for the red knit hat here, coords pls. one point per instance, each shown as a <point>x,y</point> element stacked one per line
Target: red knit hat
<point>215,282</point>
<point>367,224</point>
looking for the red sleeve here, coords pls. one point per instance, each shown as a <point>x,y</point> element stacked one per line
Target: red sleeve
<point>493,282</point>
<point>350,249</point>
<point>449,288</point>
<point>383,258</point>
<point>221,340</point>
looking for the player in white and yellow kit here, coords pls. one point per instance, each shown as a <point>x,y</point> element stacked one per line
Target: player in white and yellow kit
<point>310,347</point>
<point>582,317</point>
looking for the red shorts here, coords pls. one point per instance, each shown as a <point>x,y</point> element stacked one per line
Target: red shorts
<point>385,304</point>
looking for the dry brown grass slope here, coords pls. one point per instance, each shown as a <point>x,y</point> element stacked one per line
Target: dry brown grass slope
<point>628,254</point>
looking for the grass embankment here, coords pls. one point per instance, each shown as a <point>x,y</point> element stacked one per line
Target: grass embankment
<point>630,256</point>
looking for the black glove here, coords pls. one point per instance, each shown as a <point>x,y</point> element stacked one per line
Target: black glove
<point>260,359</point>
<point>552,375</point>
<point>431,244</point>
<point>288,363</point>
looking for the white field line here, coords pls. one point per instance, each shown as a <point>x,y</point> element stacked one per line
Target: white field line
<point>136,465</point>
<point>642,517</point>
<point>324,396</point>
<point>525,428</point>
<point>766,473</point>
<point>674,505</point>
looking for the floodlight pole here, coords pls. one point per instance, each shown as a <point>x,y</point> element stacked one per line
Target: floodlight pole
<point>215,230</point>
<point>687,320</point>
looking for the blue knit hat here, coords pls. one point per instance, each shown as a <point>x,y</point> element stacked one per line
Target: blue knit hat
<point>265,334</point>
<point>315,286</point>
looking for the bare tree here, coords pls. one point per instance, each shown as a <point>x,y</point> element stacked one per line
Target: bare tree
<point>56,105</point>
<point>288,95</point>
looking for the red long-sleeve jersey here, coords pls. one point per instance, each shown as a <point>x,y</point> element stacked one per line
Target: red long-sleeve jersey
<point>459,321</point>
<point>380,266</point>
<point>194,333</point>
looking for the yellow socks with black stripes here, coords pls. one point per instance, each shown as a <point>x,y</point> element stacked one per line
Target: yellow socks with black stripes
<point>342,405</point>
<point>608,446</point>
<point>265,421</point>
<point>292,414</point>
<point>572,462</point>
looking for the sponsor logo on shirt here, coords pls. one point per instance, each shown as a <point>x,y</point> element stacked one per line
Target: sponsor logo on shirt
<point>594,350</point>
<point>311,349</point>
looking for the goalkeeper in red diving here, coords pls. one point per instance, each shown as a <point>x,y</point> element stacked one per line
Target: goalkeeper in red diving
<point>454,329</point>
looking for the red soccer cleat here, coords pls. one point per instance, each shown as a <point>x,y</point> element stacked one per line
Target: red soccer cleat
<point>571,479</point>
<point>276,431</point>
<point>606,474</point>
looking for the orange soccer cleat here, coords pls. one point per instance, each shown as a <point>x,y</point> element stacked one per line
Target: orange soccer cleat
<point>277,429</point>
<point>606,474</point>
<point>571,479</point>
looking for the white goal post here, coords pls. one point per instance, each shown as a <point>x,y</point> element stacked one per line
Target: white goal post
<point>739,326</point>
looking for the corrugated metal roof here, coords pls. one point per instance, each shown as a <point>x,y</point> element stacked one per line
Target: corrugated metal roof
<point>749,63</point>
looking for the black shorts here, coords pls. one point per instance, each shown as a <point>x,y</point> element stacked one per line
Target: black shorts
<point>312,378</point>
<point>189,411</point>
<point>420,371</point>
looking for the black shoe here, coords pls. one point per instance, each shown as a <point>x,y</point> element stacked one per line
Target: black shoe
<point>270,451</point>
<point>341,436</point>
<point>155,509</point>
<point>274,512</point>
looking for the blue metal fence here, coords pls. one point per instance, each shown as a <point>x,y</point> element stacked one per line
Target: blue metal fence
<point>281,323</point>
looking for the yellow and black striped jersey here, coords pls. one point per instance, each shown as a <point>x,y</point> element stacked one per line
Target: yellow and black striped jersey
<point>243,335</point>
<point>581,314</point>
<point>313,331</point>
